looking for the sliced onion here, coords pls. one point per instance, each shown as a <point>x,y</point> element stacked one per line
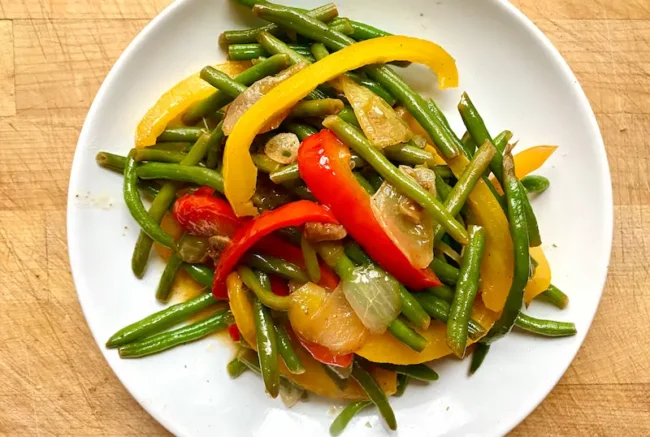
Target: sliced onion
<point>326,319</point>
<point>283,148</point>
<point>248,98</point>
<point>414,238</point>
<point>374,296</point>
<point>382,126</point>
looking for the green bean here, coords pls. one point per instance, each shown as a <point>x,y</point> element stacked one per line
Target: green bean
<point>151,189</point>
<point>466,291</point>
<point>443,189</point>
<point>181,134</point>
<point>323,13</point>
<point>364,31</point>
<point>445,272</point>
<point>271,264</point>
<point>248,52</point>
<point>222,81</point>
<point>137,209</point>
<point>186,334</point>
<point>375,393</point>
<point>468,144</point>
<point>535,184</point>
<point>347,115</point>
<point>402,383</point>
<point>160,320</point>
<point>200,273</point>
<point>164,200</point>
<point>311,260</point>
<point>534,237</point>
<point>460,193</point>
<point>407,335</point>
<point>443,171</point>
<point>342,25</point>
<point>218,99</point>
<point>346,415</point>
<point>420,372</point>
<point>279,174</point>
<point>555,296</point>
<point>291,360</point>
<point>182,173</point>
<point>148,154</point>
<point>180,147</point>
<point>364,183</point>
<point>443,292</point>
<point>111,161</point>
<point>519,231</point>
<point>501,140</point>
<point>337,379</point>
<point>267,348</point>
<point>266,164</point>
<point>319,51</point>
<point>266,296</point>
<point>546,328</point>
<point>439,309</point>
<point>174,264</point>
<point>235,368</point>
<point>478,356</point>
<point>407,154</point>
<point>355,140</point>
<point>316,108</point>
<point>357,254</point>
<point>215,147</point>
<point>301,130</point>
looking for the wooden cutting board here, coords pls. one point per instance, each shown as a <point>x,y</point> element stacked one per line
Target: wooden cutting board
<point>54,55</point>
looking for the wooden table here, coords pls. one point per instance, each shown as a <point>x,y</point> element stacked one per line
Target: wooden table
<point>53,57</point>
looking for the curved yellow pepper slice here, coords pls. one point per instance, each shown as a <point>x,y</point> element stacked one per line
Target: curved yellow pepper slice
<point>176,101</point>
<point>239,172</point>
<point>385,348</point>
<point>314,378</point>
<point>542,277</point>
<point>527,161</point>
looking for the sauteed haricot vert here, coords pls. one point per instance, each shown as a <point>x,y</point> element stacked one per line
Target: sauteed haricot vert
<point>328,216</point>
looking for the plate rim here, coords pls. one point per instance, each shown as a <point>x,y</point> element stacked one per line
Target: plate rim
<point>515,14</point>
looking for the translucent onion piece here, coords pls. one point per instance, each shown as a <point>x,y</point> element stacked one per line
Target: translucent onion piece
<point>374,295</point>
<point>255,92</point>
<point>283,148</point>
<point>414,239</point>
<point>326,319</point>
<point>382,126</point>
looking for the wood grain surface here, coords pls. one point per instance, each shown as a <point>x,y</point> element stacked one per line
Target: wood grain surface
<point>54,55</point>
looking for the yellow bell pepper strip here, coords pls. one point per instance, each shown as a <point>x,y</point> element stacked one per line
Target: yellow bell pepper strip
<point>239,172</point>
<point>174,102</point>
<point>541,280</point>
<point>385,348</point>
<point>314,378</point>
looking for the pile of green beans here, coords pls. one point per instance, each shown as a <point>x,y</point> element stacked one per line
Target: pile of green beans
<point>189,156</point>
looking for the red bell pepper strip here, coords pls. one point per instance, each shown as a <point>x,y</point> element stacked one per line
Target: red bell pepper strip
<point>274,246</point>
<point>233,331</point>
<point>252,231</point>
<point>324,355</point>
<point>279,286</point>
<point>324,165</point>
<point>204,215</point>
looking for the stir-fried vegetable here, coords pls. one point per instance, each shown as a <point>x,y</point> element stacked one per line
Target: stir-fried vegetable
<point>339,293</point>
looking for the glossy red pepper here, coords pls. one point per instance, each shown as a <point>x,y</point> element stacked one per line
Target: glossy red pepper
<point>252,231</point>
<point>324,165</point>
<point>279,286</point>
<point>274,246</point>
<point>324,355</point>
<point>233,331</point>
<point>204,215</point>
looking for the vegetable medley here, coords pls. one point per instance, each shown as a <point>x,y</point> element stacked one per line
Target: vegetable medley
<point>328,216</point>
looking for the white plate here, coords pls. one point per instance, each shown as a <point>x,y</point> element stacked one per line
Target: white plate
<point>517,80</point>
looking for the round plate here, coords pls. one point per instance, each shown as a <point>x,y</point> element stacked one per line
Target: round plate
<point>518,81</point>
